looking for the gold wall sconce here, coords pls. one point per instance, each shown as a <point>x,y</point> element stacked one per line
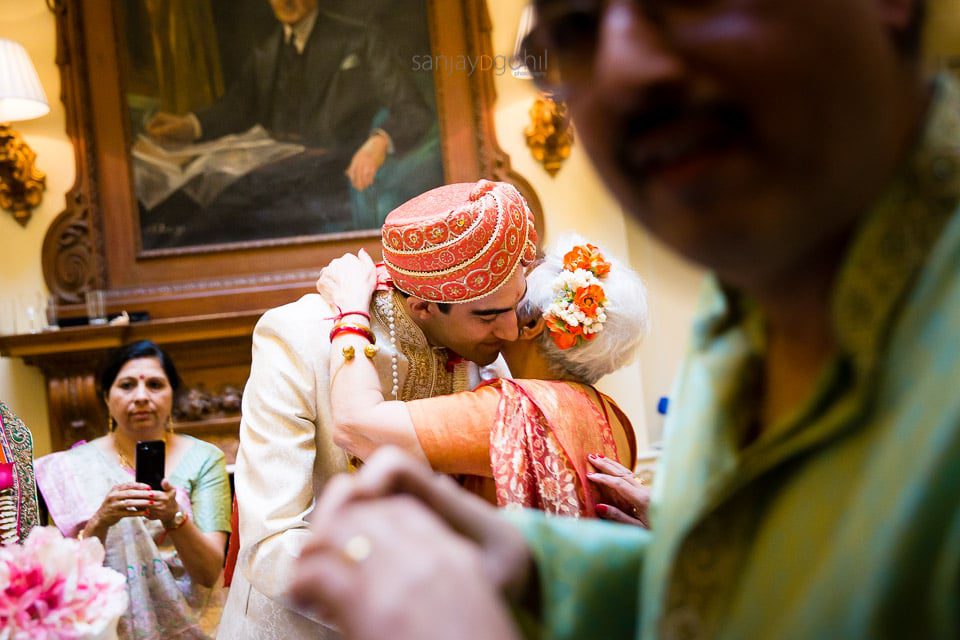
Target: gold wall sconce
<point>21,98</point>
<point>549,135</point>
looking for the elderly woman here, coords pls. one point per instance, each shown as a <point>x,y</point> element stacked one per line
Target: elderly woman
<point>169,543</point>
<point>526,440</point>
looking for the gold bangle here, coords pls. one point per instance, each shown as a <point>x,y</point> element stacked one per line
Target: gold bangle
<point>349,352</point>
<point>370,350</point>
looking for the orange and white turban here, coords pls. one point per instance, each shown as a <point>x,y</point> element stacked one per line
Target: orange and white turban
<point>458,242</point>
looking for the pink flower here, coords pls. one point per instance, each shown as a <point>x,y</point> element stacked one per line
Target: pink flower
<point>57,588</point>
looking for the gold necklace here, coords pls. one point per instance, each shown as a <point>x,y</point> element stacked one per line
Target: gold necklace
<point>124,462</point>
<point>123,459</point>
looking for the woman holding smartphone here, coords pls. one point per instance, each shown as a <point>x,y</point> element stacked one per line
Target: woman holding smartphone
<point>168,542</point>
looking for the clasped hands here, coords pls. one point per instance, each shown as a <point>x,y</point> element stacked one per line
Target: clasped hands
<point>452,561</point>
<point>440,547</point>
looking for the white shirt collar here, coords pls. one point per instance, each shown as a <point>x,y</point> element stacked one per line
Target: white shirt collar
<point>300,32</point>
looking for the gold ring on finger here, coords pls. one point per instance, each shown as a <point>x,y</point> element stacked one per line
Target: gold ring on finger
<point>357,549</point>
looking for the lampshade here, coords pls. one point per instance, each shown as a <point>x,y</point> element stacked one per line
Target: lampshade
<point>21,94</point>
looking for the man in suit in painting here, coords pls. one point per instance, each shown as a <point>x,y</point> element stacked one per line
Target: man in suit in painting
<point>320,80</point>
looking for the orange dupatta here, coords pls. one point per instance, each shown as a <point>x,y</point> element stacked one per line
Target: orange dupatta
<point>540,442</point>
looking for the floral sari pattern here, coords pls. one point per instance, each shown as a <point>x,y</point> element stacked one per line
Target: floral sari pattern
<point>539,448</point>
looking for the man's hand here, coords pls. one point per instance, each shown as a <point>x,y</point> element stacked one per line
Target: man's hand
<point>390,568</point>
<point>168,127</point>
<point>367,161</point>
<point>504,556</point>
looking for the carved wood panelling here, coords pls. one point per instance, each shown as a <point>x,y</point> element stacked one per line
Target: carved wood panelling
<point>212,355</point>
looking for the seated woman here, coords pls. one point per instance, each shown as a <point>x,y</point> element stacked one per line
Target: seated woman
<point>18,494</point>
<point>168,543</point>
<point>525,440</point>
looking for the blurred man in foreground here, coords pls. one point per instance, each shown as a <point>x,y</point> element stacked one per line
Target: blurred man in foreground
<point>809,486</point>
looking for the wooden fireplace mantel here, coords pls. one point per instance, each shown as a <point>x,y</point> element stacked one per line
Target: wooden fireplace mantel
<point>211,352</point>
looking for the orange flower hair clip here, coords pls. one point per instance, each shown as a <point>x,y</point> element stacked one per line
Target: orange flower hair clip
<point>577,314</point>
<point>588,258</point>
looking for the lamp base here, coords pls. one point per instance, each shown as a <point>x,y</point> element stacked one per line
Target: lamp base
<point>21,183</point>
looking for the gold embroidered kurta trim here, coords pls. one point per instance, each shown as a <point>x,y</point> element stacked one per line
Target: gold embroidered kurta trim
<point>427,374</point>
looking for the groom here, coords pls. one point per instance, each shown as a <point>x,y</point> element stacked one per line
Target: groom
<point>455,256</point>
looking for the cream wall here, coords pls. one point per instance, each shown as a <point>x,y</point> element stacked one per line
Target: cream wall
<point>31,23</point>
<point>573,200</point>
<point>943,29</point>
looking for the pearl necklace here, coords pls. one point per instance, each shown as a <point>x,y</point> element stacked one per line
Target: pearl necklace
<point>391,325</point>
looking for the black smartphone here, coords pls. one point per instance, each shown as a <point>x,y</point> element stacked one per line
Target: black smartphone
<point>150,462</point>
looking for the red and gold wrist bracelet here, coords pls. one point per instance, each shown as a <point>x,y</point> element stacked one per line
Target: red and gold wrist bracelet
<point>355,329</point>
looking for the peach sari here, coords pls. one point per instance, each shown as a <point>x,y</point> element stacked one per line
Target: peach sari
<point>525,441</point>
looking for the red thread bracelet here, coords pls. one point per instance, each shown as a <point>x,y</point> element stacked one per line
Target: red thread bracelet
<point>344,314</point>
<point>355,329</point>
<point>341,314</point>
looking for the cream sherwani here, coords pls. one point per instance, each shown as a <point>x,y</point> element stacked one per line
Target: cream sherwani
<point>287,451</point>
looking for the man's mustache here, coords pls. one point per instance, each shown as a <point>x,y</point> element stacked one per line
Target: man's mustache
<point>701,122</point>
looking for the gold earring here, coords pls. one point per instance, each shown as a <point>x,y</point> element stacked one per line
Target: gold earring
<point>111,424</point>
<point>170,423</point>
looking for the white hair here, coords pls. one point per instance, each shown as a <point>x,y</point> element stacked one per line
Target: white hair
<point>626,310</point>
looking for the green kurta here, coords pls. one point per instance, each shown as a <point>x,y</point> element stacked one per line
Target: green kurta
<point>846,522</point>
